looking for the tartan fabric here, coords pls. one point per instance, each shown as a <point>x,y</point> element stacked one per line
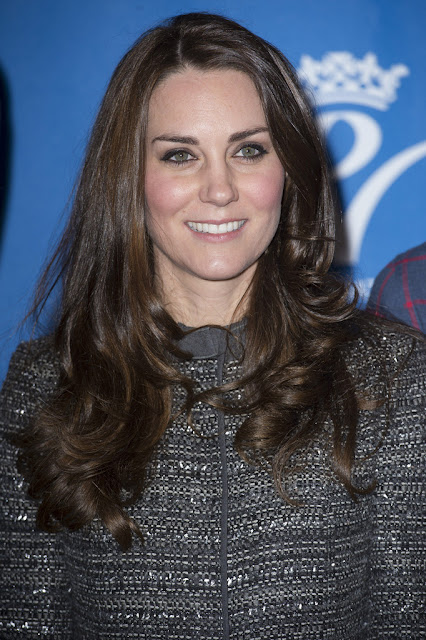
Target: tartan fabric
<point>399,291</point>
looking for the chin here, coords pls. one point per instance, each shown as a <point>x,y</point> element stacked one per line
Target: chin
<point>223,272</point>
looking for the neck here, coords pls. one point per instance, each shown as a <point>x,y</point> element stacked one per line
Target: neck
<point>194,302</point>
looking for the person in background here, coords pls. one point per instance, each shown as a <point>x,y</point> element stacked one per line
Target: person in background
<point>215,443</point>
<point>399,291</point>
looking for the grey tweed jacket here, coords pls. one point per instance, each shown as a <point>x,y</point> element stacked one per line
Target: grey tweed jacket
<point>224,556</point>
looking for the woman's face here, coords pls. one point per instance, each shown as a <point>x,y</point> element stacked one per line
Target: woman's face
<point>213,182</point>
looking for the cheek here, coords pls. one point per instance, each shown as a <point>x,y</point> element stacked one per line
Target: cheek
<point>163,196</point>
<point>267,191</point>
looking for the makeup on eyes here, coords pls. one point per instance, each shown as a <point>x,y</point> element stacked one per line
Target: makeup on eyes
<point>261,151</point>
<point>259,148</point>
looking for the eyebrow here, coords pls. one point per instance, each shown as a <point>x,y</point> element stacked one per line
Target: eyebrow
<point>235,137</point>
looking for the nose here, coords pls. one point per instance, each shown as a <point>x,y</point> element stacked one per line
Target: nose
<point>218,186</point>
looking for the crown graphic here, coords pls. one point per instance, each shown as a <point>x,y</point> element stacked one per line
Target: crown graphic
<point>341,77</point>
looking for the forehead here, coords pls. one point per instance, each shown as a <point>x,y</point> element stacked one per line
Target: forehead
<point>226,97</point>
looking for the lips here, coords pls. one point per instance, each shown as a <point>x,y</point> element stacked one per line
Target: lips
<point>215,229</point>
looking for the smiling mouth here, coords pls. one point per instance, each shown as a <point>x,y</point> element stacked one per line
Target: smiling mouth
<point>224,227</point>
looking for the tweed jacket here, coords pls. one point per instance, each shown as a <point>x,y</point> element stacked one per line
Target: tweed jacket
<point>224,556</point>
<point>399,291</point>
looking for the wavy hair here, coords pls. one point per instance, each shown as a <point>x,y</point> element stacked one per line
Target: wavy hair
<point>118,347</point>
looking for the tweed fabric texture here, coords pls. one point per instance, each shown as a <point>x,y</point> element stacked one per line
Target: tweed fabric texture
<point>224,555</point>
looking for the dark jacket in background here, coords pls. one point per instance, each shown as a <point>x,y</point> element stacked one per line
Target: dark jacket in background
<point>399,291</point>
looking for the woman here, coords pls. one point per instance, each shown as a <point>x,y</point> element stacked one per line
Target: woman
<point>215,443</point>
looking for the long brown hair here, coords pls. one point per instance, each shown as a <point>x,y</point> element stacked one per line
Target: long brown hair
<point>99,431</point>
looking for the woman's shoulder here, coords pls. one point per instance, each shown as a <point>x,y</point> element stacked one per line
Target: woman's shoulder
<point>387,362</point>
<point>390,343</point>
<point>383,352</point>
<point>32,376</point>
<point>34,363</point>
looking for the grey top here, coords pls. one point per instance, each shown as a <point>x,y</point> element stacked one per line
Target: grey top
<point>225,556</point>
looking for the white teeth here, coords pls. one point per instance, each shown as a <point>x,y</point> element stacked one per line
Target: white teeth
<point>224,227</point>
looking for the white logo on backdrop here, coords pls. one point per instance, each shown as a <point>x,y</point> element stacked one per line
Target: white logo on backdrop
<point>341,78</point>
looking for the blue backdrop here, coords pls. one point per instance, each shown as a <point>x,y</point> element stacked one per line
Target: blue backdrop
<point>362,59</point>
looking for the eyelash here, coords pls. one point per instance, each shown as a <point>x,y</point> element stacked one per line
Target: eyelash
<point>169,155</point>
<point>258,147</point>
